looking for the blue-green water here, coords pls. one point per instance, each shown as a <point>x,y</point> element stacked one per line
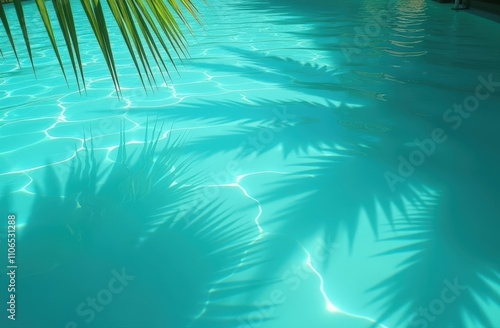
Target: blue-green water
<point>319,164</point>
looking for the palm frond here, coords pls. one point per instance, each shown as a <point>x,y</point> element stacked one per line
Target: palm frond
<point>148,28</point>
<point>67,24</point>
<point>5,23</point>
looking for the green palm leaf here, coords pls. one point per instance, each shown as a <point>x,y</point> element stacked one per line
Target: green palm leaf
<point>149,29</point>
<point>67,24</point>
<point>42,8</point>
<point>5,23</point>
<point>22,23</point>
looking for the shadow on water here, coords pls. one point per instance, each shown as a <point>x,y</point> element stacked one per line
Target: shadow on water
<point>308,78</point>
<point>97,221</point>
<point>106,245</point>
<point>448,198</point>
<point>359,170</point>
<point>452,264</point>
<point>294,127</point>
<point>454,233</point>
<point>125,216</point>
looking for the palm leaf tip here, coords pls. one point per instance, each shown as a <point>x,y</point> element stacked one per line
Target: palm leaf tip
<point>149,30</point>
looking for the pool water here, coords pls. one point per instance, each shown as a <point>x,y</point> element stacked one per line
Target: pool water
<point>311,164</point>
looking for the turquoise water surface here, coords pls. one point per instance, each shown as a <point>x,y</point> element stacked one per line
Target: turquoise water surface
<point>312,164</point>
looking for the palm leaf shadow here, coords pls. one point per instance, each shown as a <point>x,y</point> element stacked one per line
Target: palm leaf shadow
<point>450,269</point>
<point>308,78</point>
<point>285,125</point>
<point>125,217</point>
<point>326,28</point>
<point>334,188</point>
<point>326,197</point>
<point>293,127</point>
